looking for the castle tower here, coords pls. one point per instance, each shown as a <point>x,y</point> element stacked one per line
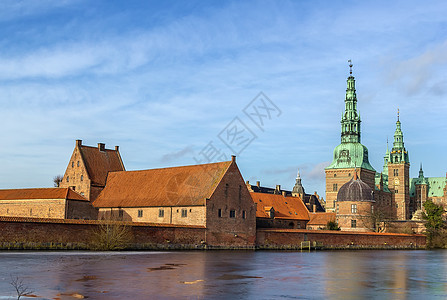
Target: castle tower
<point>399,175</point>
<point>421,189</point>
<point>298,189</point>
<point>350,154</point>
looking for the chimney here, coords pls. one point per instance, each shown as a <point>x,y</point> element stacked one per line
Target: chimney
<point>247,182</point>
<point>233,158</point>
<point>278,187</point>
<point>258,183</point>
<point>78,143</point>
<point>283,193</point>
<point>101,146</point>
<point>117,148</point>
<point>314,208</point>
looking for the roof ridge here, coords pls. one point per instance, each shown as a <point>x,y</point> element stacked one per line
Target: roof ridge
<point>176,167</point>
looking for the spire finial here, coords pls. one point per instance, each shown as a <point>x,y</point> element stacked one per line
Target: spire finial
<point>355,174</point>
<point>350,66</point>
<point>398,114</point>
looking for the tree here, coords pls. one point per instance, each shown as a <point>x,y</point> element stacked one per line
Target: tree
<point>111,235</point>
<point>435,224</point>
<point>20,287</point>
<point>57,180</point>
<point>332,225</point>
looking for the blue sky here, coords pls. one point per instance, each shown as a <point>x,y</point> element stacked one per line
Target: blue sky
<point>162,79</point>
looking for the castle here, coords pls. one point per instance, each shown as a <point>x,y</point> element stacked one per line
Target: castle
<point>396,195</point>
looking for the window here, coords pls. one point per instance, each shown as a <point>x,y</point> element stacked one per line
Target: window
<point>82,193</point>
<point>334,187</point>
<point>243,214</point>
<point>353,223</point>
<point>140,213</point>
<point>372,209</point>
<point>72,164</point>
<point>161,213</point>
<point>396,191</point>
<point>219,213</point>
<point>184,212</point>
<point>226,190</point>
<point>232,213</point>
<point>78,163</point>
<point>68,179</point>
<point>396,172</point>
<point>120,213</point>
<point>335,175</point>
<point>30,211</point>
<point>82,177</point>
<point>353,208</point>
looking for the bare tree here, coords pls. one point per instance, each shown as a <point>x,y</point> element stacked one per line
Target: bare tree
<point>57,180</point>
<point>111,235</point>
<point>20,287</point>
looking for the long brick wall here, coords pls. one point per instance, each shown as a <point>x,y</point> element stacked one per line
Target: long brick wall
<point>292,238</point>
<point>35,233</point>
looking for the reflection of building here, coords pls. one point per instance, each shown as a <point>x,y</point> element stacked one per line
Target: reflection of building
<point>279,211</point>
<point>396,195</point>
<point>88,168</point>
<point>52,203</point>
<point>211,195</point>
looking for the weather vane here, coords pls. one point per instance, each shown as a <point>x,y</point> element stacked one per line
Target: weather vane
<point>398,113</point>
<point>350,66</point>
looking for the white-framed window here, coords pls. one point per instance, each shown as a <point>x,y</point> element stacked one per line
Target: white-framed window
<point>140,213</point>
<point>161,213</point>
<point>184,212</point>
<point>353,208</point>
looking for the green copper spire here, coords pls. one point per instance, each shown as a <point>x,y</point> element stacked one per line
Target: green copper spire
<point>399,154</point>
<point>350,121</point>
<point>386,159</point>
<point>350,153</point>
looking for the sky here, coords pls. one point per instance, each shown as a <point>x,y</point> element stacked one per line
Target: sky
<point>183,82</point>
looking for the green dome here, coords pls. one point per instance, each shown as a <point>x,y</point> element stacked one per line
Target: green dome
<point>350,155</point>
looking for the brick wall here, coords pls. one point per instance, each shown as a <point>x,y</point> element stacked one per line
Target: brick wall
<point>231,195</point>
<point>195,215</point>
<point>363,217</point>
<point>80,232</point>
<point>37,208</point>
<point>81,210</point>
<point>292,238</point>
<point>76,176</point>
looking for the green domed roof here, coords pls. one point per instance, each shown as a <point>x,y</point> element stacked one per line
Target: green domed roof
<point>350,155</point>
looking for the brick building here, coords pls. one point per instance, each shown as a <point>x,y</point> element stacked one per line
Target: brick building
<point>209,195</point>
<point>396,195</point>
<point>319,220</point>
<point>53,203</point>
<point>88,167</point>
<point>279,211</point>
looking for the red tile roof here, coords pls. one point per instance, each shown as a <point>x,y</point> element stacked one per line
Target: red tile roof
<point>100,163</point>
<point>40,193</point>
<point>321,218</point>
<point>178,186</point>
<point>285,207</point>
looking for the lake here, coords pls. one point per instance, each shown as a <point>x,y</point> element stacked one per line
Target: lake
<point>393,274</point>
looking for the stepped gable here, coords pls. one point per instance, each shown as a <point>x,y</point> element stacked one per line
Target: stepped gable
<point>177,186</point>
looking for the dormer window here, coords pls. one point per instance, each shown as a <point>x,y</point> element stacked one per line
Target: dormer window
<point>68,179</point>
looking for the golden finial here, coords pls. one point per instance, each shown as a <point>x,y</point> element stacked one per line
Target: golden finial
<point>350,66</point>
<point>398,113</point>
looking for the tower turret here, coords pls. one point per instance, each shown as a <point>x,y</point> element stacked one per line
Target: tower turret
<point>298,189</point>
<point>350,121</point>
<point>399,154</point>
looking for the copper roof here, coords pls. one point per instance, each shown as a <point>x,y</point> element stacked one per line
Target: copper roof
<point>178,186</point>
<point>40,193</point>
<point>321,218</point>
<point>100,163</point>
<point>285,207</point>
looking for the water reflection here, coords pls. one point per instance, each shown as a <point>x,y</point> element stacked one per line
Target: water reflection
<point>229,274</point>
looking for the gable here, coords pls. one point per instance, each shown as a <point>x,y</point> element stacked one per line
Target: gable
<point>284,207</point>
